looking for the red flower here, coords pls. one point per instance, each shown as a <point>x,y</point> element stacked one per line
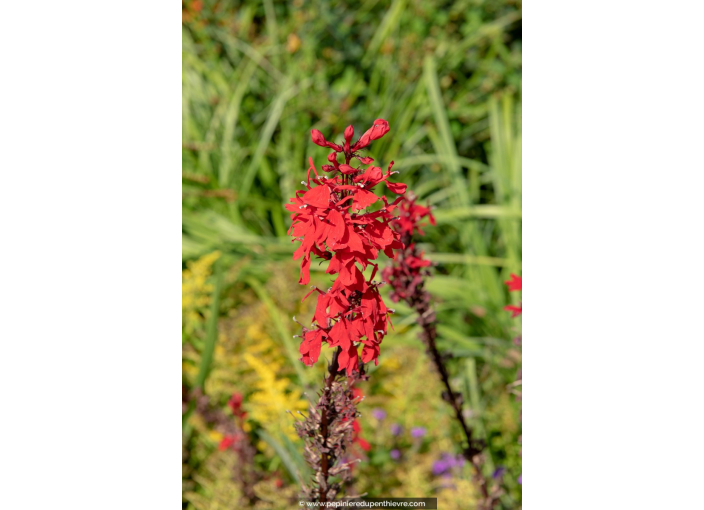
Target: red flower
<point>357,427</point>
<point>226,442</point>
<point>357,438</point>
<point>410,216</point>
<point>407,272</point>
<point>515,310</point>
<point>379,129</point>
<point>331,220</point>
<point>235,403</point>
<point>515,283</point>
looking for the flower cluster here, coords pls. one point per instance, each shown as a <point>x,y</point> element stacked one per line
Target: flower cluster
<point>408,273</point>
<point>235,438</point>
<point>447,464</point>
<point>411,215</point>
<point>333,220</point>
<point>407,277</point>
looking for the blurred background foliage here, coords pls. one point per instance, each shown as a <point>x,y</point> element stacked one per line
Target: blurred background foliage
<point>257,77</point>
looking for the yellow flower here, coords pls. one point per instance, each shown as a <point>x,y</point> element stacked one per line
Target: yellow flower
<point>273,397</point>
<point>195,291</point>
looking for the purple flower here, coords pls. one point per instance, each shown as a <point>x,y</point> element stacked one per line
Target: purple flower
<point>418,432</point>
<point>396,429</point>
<point>379,414</point>
<point>440,466</point>
<point>395,454</point>
<point>520,479</point>
<point>446,463</point>
<point>498,473</point>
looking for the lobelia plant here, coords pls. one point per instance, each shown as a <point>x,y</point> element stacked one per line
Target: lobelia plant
<point>407,276</point>
<point>332,220</point>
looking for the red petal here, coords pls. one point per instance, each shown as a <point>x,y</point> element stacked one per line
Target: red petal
<point>339,335</point>
<point>379,129</point>
<point>515,283</point>
<point>321,307</point>
<point>305,271</point>
<point>226,442</point>
<point>370,177</point>
<point>299,252</point>
<point>364,444</point>
<point>397,187</point>
<point>310,347</point>
<point>515,310</point>
<point>347,169</point>
<point>355,242</point>
<point>338,227</point>
<point>364,198</point>
<point>318,196</point>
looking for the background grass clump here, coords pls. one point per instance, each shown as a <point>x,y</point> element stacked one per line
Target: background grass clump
<point>257,77</point>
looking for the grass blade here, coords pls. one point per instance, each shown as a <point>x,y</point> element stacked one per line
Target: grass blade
<point>211,335</point>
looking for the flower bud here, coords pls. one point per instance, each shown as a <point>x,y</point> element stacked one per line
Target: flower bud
<point>332,157</point>
<point>379,129</point>
<point>318,138</point>
<point>365,160</point>
<point>349,133</point>
<point>347,169</point>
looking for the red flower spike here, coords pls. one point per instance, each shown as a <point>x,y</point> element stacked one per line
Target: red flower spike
<point>329,221</point>
<point>408,272</point>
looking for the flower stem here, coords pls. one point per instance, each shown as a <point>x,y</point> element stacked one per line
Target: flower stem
<point>419,300</point>
<point>324,465</point>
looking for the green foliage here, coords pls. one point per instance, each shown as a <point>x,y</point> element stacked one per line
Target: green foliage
<point>257,77</point>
